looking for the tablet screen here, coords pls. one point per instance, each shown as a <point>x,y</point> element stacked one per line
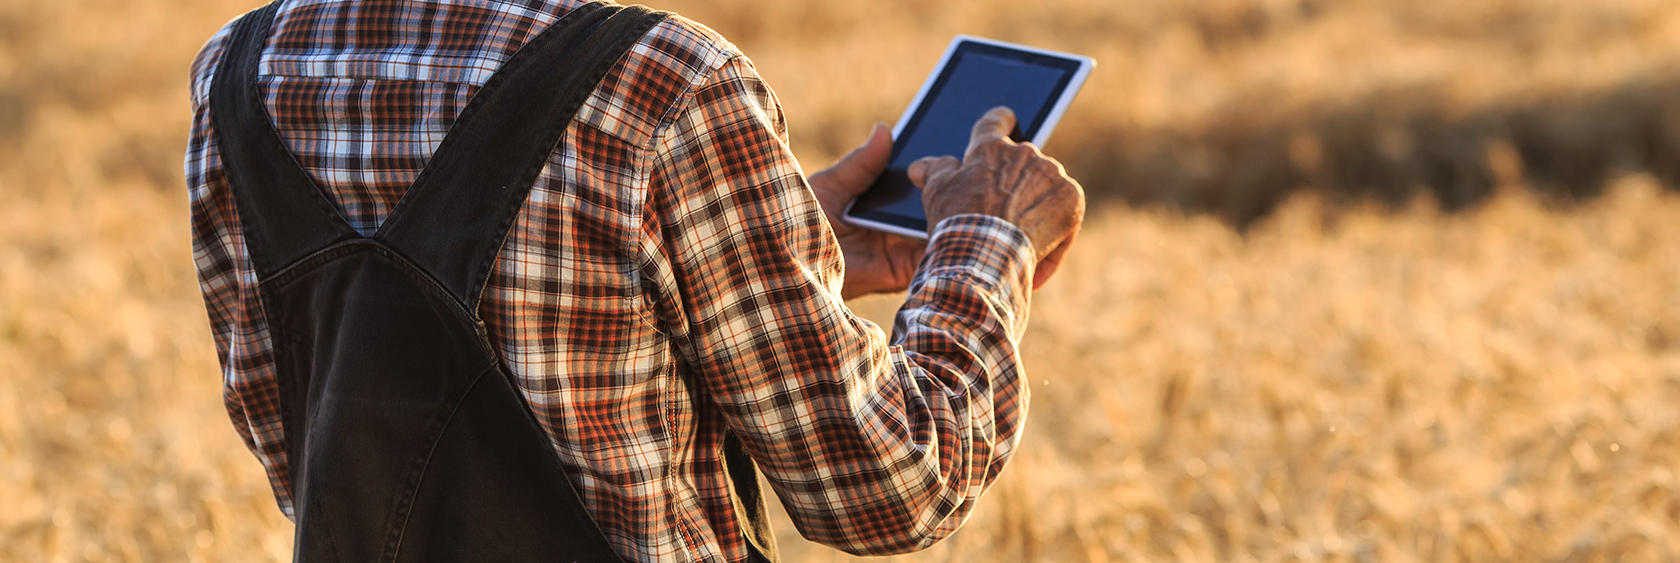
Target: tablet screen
<point>977,78</point>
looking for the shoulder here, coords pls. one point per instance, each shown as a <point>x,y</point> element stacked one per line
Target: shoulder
<point>204,65</point>
<point>647,89</point>
<point>688,43</point>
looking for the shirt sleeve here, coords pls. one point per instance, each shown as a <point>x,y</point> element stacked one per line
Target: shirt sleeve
<point>228,280</point>
<point>875,446</point>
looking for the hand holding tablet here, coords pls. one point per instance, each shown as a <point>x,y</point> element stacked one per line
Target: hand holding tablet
<point>974,76</point>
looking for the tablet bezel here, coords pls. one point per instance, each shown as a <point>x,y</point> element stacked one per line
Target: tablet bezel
<point>1057,109</point>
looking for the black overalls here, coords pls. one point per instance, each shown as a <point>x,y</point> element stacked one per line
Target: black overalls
<point>406,438</point>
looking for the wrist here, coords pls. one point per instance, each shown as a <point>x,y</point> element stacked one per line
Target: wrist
<point>974,244</point>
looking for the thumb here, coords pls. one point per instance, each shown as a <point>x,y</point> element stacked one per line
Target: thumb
<point>858,169</point>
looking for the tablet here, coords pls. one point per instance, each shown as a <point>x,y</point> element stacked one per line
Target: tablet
<point>974,76</point>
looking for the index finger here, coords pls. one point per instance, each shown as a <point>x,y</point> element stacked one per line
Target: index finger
<point>997,124</point>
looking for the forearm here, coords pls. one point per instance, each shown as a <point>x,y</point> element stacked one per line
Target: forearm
<point>875,446</point>
<point>936,414</point>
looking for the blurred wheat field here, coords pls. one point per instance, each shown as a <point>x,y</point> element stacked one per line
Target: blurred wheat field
<point>1414,348</point>
<point>1354,386</point>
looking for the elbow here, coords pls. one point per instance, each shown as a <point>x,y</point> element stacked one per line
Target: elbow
<point>883,541</point>
<point>900,544</point>
<point>880,528</point>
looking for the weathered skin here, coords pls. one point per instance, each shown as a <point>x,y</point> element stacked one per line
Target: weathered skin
<point>997,176</point>
<point>1014,181</point>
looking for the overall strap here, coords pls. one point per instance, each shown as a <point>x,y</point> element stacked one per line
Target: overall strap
<point>454,219</point>
<point>285,215</point>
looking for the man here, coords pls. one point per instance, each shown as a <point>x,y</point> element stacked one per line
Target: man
<point>671,289</point>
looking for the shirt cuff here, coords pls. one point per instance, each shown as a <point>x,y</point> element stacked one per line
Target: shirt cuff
<point>984,250</point>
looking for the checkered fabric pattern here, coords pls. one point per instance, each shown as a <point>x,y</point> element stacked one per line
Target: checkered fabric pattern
<point>670,278</point>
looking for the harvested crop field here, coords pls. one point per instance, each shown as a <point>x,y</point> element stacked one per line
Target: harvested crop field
<point>1373,280</point>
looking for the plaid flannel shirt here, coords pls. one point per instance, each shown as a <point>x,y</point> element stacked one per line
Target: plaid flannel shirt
<point>671,277</point>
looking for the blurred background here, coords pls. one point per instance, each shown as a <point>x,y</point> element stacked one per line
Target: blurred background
<point>1364,280</point>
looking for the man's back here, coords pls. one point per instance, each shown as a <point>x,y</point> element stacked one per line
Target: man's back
<point>671,281</point>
